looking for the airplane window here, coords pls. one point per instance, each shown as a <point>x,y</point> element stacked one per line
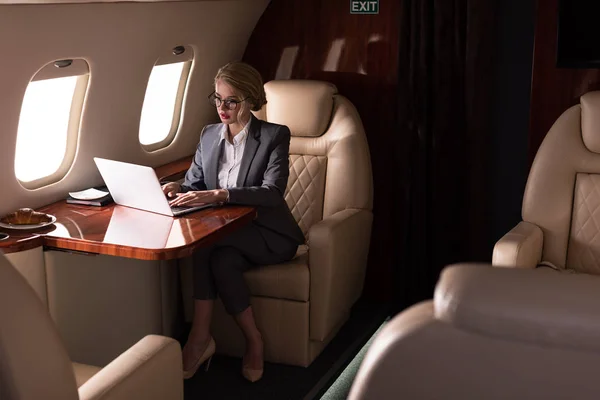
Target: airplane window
<point>163,104</point>
<point>49,123</point>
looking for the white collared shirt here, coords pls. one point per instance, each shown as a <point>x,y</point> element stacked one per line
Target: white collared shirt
<point>230,158</point>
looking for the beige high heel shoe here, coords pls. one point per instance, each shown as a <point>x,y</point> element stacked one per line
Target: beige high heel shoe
<point>207,355</point>
<point>250,374</point>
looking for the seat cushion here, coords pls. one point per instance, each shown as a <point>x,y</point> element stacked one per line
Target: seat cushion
<point>84,372</point>
<point>290,280</point>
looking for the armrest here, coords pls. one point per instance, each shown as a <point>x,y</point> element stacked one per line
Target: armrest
<point>150,370</point>
<point>339,245</point>
<point>521,247</point>
<point>539,306</point>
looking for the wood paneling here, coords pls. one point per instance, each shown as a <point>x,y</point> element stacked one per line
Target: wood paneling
<point>553,89</point>
<point>313,39</point>
<point>174,170</point>
<point>21,241</point>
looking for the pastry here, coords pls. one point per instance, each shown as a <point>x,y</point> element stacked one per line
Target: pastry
<point>26,216</point>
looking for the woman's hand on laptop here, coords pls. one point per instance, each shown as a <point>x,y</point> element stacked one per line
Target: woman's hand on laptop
<point>171,189</point>
<point>199,197</point>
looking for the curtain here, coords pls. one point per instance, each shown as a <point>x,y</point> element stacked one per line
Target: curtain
<point>445,80</point>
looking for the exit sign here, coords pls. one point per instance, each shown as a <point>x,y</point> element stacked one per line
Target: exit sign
<point>364,7</point>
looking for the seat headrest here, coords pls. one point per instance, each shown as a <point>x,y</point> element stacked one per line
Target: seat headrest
<point>304,106</point>
<point>590,120</point>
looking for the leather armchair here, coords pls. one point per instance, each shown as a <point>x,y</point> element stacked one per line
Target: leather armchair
<point>300,305</point>
<point>526,331</point>
<point>490,333</point>
<point>560,204</point>
<point>34,363</point>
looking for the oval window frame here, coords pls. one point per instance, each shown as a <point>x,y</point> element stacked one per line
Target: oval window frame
<point>80,68</point>
<point>173,56</point>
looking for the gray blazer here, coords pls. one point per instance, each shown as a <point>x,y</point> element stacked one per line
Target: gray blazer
<point>261,181</point>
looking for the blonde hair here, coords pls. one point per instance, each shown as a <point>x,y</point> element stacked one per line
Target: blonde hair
<point>246,81</point>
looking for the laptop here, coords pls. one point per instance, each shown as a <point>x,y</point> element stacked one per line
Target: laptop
<point>137,186</point>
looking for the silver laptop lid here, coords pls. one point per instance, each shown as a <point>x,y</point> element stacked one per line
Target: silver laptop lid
<point>133,185</point>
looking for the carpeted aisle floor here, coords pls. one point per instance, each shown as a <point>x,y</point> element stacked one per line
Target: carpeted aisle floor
<point>340,389</point>
<point>282,382</point>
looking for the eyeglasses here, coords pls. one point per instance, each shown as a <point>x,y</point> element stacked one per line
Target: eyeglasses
<point>230,104</point>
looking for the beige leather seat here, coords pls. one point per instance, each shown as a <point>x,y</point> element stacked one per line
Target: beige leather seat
<point>528,331</point>
<point>560,207</point>
<point>34,364</point>
<point>490,333</point>
<point>301,305</point>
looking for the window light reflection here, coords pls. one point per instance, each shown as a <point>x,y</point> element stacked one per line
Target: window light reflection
<point>333,56</point>
<point>286,62</point>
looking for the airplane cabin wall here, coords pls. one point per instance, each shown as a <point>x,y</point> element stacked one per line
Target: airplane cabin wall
<point>120,42</point>
<point>553,89</point>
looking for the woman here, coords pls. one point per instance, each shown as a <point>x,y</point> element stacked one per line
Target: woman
<point>242,160</point>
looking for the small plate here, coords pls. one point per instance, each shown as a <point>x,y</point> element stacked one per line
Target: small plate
<point>29,227</point>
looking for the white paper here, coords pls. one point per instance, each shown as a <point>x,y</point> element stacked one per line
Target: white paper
<point>88,194</point>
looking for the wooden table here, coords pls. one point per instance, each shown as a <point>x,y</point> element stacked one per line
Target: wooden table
<point>127,232</point>
<point>116,301</point>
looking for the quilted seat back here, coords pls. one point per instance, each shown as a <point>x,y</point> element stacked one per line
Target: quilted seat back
<point>330,165</point>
